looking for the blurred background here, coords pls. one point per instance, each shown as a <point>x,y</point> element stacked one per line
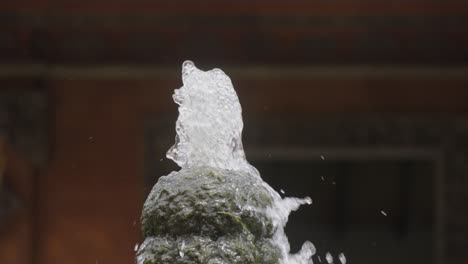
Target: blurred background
<point>359,104</point>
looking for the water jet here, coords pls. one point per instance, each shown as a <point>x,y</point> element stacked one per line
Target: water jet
<point>216,209</point>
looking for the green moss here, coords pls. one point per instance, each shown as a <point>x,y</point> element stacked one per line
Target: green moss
<point>240,249</point>
<point>208,216</point>
<point>189,202</point>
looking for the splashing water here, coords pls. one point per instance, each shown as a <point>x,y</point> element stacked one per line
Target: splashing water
<point>209,133</point>
<point>209,126</point>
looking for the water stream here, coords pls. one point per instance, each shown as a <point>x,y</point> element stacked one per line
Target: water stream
<point>209,133</point>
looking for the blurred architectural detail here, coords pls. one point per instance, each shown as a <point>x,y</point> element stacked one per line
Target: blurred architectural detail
<point>259,32</point>
<point>6,198</point>
<point>24,122</point>
<point>109,65</point>
<point>23,151</point>
<point>3,159</point>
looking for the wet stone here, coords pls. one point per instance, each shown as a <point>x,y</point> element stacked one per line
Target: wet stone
<point>208,215</point>
<point>208,202</point>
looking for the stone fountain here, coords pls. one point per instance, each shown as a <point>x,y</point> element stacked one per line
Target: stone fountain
<point>216,209</point>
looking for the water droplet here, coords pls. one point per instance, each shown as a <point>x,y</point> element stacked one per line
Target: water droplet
<point>322,157</point>
<point>342,258</point>
<point>323,178</point>
<point>329,258</point>
<point>319,259</point>
<point>383,213</point>
<point>282,191</point>
<point>136,247</point>
<point>181,251</point>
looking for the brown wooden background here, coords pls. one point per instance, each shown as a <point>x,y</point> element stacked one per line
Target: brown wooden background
<point>108,64</point>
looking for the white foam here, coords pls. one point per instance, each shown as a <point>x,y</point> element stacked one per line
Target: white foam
<point>209,126</point>
<point>209,133</point>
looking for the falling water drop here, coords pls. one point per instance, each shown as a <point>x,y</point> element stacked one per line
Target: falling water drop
<point>181,251</point>
<point>342,258</point>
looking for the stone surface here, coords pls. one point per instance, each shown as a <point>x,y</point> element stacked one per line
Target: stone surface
<point>208,215</point>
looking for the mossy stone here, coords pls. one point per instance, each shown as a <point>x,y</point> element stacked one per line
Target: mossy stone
<point>208,216</point>
<point>208,202</point>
